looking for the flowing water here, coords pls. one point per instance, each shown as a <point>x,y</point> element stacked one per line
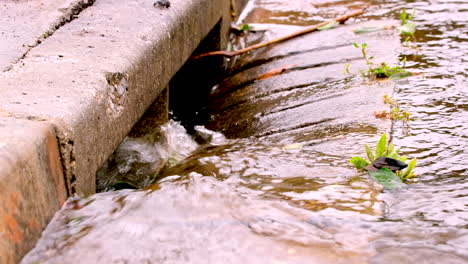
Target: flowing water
<point>296,199</point>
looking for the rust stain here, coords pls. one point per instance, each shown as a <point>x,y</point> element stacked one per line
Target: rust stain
<point>14,198</point>
<point>13,231</point>
<point>274,72</point>
<point>33,225</point>
<point>382,114</point>
<point>8,225</point>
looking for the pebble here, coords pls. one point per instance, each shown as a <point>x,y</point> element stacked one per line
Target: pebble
<point>162,4</point>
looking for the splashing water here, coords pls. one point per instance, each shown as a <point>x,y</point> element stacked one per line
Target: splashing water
<point>138,160</point>
<point>258,201</point>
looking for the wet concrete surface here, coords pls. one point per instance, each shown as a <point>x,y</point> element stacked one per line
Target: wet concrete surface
<point>312,90</point>
<point>87,70</point>
<point>280,189</point>
<point>88,78</point>
<point>298,12</point>
<point>292,134</point>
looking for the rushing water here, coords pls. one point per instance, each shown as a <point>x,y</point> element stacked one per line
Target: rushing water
<point>257,201</point>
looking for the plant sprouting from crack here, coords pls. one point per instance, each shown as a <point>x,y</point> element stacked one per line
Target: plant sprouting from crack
<point>377,71</point>
<point>245,27</point>
<point>347,69</point>
<point>407,28</point>
<point>395,113</point>
<point>385,149</point>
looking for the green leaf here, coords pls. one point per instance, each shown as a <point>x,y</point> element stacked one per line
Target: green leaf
<point>408,28</point>
<point>330,25</point>
<point>409,170</point>
<point>411,175</point>
<point>403,16</point>
<point>370,156</point>
<point>356,45</point>
<point>387,178</point>
<point>390,148</point>
<point>392,155</point>
<point>402,158</point>
<point>381,146</point>
<point>358,162</point>
<point>244,27</point>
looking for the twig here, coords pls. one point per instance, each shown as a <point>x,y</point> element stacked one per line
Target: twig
<point>341,20</point>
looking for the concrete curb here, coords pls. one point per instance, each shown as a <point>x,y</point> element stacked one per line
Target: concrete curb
<point>116,62</point>
<point>31,184</point>
<point>74,86</point>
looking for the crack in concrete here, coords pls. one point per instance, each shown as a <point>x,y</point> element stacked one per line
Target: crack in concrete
<point>68,160</point>
<point>70,14</point>
<point>66,145</point>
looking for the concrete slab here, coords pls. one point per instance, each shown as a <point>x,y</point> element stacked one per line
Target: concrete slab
<point>32,186</point>
<point>94,77</point>
<point>312,92</point>
<point>25,24</point>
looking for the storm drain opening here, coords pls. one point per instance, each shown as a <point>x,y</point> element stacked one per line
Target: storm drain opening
<point>160,138</point>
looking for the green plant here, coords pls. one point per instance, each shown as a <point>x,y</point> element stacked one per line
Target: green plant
<point>407,28</point>
<point>380,71</point>
<point>347,69</point>
<point>363,48</point>
<point>406,17</point>
<point>385,71</point>
<point>395,113</point>
<point>241,29</point>
<point>385,149</point>
<point>245,27</point>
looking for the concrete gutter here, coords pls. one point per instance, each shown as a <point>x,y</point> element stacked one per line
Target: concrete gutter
<point>75,76</point>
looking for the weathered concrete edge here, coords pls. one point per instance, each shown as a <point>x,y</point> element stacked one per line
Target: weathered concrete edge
<point>108,83</point>
<point>31,184</point>
<point>76,121</point>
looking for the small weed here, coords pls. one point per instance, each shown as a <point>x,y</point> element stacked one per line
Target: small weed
<point>385,149</point>
<point>363,48</point>
<point>347,69</point>
<point>407,28</point>
<point>380,71</point>
<point>406,17</point>
<point>395,113</point>
<point>245,27</point>
<point>385,71</point>
<point>241,29</point>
